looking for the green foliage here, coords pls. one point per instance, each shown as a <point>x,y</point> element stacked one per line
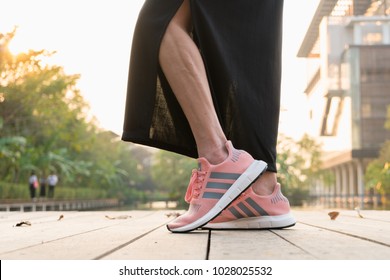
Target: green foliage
<point>14,191</point>
<point>11,149</point>
<point>44,127</point>
<point>21,192</point>
<point>171,172</point>
<point>387,124</point>
<point>378,171</point>
<point>298,166</point>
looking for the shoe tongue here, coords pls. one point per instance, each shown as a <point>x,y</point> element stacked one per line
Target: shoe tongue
<point>203,164</point>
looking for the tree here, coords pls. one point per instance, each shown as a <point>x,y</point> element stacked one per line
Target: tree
<point>298,166</point>
<point>378,171</point>
<point>44,127</point>
<point>41,104</point>
<point>377,174</point>
<point>171,173</point>
<point>11,149</point>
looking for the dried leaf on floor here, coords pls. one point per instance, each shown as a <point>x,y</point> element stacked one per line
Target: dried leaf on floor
<point>333,215</point>
<point>358,212</point>
<point>23,223</point>
<point>173,214</point>
<point>122,217</point>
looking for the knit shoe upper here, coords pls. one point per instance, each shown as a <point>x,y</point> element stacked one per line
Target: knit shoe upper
<point>213,187</point>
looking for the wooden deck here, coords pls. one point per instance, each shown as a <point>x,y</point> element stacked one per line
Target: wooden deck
<point>142,235</point>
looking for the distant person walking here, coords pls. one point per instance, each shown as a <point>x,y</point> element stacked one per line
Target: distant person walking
<point>42,186</point>
<point>33,184</point>
<point>52,181</point>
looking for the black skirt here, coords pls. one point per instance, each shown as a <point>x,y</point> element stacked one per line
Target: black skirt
<point>240,42</point>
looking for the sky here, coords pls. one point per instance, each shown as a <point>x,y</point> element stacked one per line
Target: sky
<point>93,38</point>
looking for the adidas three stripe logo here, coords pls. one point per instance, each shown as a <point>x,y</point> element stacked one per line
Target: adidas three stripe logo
<point>219,183</point>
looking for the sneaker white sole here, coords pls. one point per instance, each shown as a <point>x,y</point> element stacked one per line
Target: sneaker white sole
<point>264,222</point>
<point>241,184</point>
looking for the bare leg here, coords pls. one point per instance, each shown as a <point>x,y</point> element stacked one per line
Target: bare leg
<point>184,69</point>
<point>265,184</point>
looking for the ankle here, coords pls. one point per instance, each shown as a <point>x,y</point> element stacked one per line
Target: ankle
<point>265,185</point>
<point>214,154</point>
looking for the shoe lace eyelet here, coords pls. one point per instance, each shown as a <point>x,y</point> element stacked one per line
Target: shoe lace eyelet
<point>195,186</point>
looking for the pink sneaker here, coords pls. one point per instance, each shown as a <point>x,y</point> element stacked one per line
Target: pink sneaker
<point>213,187</point>
<point>252,211</point>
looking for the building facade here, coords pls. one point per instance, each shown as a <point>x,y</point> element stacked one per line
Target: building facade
<point>347,47</point>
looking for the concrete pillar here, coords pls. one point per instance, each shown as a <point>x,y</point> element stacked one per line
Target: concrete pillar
<point>344,185</point>
<point>357,34</point>
<point>329,193</point>
<point>360,182</point>
<point>352,183</point>
<point>323,191</point>
<point>320,191</point>
<point>338,190</point>
<point>386,33</point>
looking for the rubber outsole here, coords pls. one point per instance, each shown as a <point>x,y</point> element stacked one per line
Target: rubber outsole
<point>255,223</point>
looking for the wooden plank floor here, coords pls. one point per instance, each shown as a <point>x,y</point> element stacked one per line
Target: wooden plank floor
<point>142,235</point>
